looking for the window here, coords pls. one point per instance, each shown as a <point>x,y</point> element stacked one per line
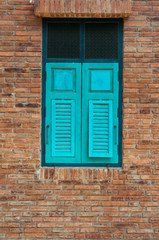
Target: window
<point>101,40</point>
<point>63,40</point>
<point>82,93</point>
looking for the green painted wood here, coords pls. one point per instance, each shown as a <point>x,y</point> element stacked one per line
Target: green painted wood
<point>88,97</point>
<point>100,128</point>
<point>63,128</point>
<point>101,80</point>
<point>64,80</point>
<point>63,113</point>
<point>64,122</point>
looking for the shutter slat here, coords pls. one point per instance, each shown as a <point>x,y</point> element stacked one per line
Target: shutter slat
<point>63,125</point>
<point>100,128</point>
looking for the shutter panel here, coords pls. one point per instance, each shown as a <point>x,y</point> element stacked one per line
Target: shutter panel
<point>100,128</point>
<point>100,123</point>
<point>63,113</point>
<point>63,128</point>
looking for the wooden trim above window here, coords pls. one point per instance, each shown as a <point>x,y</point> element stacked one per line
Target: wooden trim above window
<point>83,8</point>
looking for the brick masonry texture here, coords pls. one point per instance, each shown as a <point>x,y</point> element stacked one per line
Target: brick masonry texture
<point>82,8</point>
<point>77,203</point>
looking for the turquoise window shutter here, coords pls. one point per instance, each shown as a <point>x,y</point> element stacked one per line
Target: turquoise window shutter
<point>81,113</point>
<point>63,113</point>
<point>100,128</point>
<point>100,94</point>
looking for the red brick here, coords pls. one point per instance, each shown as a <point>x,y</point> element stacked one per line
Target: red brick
<point>12,235</point>
<point>101,8</point>
<point>113,6</point>
<point>98,8</point>
<point>62,10</point>
<point>56,8</point>
<point>32,235</point>
<point>108,7</point>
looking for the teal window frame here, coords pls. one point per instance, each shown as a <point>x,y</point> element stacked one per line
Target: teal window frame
<point>45,60</point>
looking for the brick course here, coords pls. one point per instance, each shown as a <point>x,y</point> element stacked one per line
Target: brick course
<point>77,203</point>
<point>83,8</point>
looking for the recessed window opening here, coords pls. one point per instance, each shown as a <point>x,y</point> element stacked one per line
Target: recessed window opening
<point>82,92</point>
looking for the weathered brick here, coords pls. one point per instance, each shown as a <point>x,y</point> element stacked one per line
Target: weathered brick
<point>78,203</point>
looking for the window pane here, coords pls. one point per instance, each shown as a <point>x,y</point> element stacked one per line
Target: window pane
<point>63,40</point>
<point>101,40</point>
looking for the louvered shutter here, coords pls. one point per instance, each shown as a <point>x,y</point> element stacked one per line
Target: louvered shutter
<point>100,113</point>
<point>63,127</point>
<point>63,113</point>
<point>100,128</point>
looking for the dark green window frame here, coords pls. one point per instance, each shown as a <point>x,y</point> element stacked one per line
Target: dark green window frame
<point>83,60</point>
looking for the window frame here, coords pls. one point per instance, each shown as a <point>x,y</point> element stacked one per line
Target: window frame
<point>81,60</point>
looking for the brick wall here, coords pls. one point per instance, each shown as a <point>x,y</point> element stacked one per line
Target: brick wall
<point>77,203</point>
